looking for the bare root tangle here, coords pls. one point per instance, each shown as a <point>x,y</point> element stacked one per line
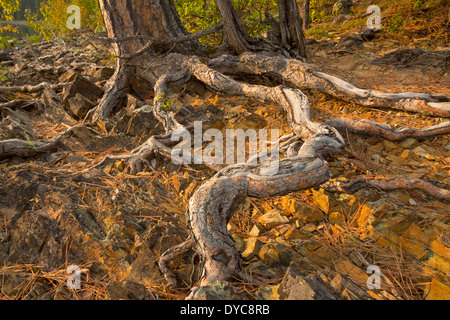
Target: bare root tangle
<point>386,185</point>
<point>139,156</point>
<point>166,117</point>
<point>27,149</point>
<point>212,205</point>
<point>305,77</point>
<point>118,85</point>
<point>385,131</point>
<point>292,100</point>
<point>143,154</point>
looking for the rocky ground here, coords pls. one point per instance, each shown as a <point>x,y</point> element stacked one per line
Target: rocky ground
<point>54,212</point>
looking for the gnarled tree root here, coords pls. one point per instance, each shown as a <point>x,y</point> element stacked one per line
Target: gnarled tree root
<point>28,149</point>
<point>387,132</point>
<point>387,185</point>
<point>212,205</point>
<point>304,76</point>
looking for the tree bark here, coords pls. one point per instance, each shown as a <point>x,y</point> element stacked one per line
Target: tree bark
<point>235,33</point>
<point>292,37</point>
<point>124,18</point>
<point>137,17</point>
<point>305,15</point>
<point>304,76</point>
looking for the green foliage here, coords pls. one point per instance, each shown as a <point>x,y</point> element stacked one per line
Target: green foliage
<point>54,16</point>
<point>34,39</point>
<point>197,15</point>
<point>252,13</point>
<point>395,23</point>
<point>167,103</point>
<point>321,10</point>
<point>5,42</point>
<point>3,76</point>
<point>7,10</point>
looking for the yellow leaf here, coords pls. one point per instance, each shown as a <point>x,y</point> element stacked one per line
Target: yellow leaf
<point>321,200</point>
<point>214,101</point>
<point>102,126</point>
<point>176,183</point>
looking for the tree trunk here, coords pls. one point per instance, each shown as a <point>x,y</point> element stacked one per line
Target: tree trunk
<point>292,37</point>
<point>235,33</point>
<point>137,17</point>
<point>125,18</point>
<point>305,14</point>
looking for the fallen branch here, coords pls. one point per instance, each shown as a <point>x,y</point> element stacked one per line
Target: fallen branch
<point>18,103</point>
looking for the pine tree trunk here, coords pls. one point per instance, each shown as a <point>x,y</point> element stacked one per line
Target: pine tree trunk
<point>305,14</point>
<point>158,19</point>
<point>291,27</point>
<point>236,35</point>
<point>124,18</point>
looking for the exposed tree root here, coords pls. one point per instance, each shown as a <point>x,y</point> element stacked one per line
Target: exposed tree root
<point>166,117</point>
<point>28,149</point>
<point>169,255</point>
<point>304,76</point>
<point>146,152</point>
<point>33,89</point>
<point>386,185</point>
<point>387,132</point>
<point>115,92</point>
<point>213,204</point>
<point>140,156</point>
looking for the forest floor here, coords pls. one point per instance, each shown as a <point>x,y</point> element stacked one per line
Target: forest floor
<point>54,213</point>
